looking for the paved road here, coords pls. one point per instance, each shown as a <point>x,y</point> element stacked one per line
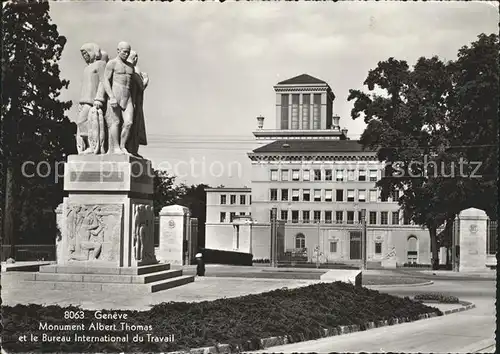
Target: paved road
<point>463,332</point>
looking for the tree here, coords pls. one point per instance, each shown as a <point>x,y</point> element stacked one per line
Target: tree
<point>34,125</point>
<point>420,124</point>
<point>195,198</point>
<point>192,197</point>
<point>164,191</point>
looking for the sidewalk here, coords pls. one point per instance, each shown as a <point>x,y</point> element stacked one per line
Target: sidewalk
<point>15,291</point>
<point>462,332</point>
<point>489,274</point>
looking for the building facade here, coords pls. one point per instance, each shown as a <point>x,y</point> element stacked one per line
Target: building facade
<point>319,182</point>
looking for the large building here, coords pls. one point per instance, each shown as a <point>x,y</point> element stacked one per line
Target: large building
<point>319,181</point>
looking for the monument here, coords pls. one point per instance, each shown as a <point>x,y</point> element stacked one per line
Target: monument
<point>106,222</point>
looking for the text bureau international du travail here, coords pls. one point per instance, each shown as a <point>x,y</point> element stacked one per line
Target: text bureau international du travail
<point>96,326</point>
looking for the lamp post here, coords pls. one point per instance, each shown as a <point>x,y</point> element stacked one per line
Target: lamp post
<point>363,238</point>
<point>318,248</point>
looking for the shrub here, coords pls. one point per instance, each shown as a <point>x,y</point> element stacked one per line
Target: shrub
<point>296,312</point>
<point>449,299</point>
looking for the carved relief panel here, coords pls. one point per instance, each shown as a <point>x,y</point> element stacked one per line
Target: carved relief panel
<point>93,232</point>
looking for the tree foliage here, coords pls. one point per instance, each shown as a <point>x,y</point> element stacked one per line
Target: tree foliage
<point>34,125</point>
<point>433,124</point>
<point>191,196</point>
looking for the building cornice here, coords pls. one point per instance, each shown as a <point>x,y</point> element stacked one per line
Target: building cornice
<point>229,189</point>
<point>256,157</point>
<point>329,134</point>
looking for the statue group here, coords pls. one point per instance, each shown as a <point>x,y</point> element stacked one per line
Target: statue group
<point>111,116</point>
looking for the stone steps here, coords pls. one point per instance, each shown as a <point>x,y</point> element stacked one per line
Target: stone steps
<point>81,276</point>
<point>112,287</point>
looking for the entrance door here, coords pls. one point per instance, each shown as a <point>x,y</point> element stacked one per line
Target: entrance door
<point>355,244</point>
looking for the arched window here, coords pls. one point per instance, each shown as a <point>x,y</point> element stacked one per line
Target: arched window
<point>412,249</point>
<point>300,241</point>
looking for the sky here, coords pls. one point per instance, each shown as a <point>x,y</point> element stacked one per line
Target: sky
<point>212,66</point>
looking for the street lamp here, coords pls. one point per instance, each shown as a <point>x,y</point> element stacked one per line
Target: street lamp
<point>363,238</point>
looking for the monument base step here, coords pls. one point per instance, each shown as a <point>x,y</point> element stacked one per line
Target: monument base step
<point>111,287</point>
<point>91,268</point>
<point>80,276</point>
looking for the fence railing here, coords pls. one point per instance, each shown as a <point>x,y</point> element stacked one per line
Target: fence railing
<point>30,252</point>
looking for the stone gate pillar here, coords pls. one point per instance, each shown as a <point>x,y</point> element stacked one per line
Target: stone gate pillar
<point>174,233</point>
<point>472,239</point>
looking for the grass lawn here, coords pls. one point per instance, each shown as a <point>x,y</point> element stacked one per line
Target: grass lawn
<point>234,321</point>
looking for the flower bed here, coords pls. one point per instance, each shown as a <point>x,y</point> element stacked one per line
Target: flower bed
<point>448,299</point>
<point>303,311</point>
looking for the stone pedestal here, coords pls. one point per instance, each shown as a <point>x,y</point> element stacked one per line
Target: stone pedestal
<point>442,255</point>
<point>242,234</point>
<point>174,229</point>
<point>473,236</point>
<point>107,219</point>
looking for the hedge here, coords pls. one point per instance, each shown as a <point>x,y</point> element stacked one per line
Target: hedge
<point>306,311</point>
<point>211,256</point>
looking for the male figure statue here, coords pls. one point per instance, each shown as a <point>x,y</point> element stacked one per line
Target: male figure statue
<point>138,132</point>
<point>118,78</point>
<point>89,139</point>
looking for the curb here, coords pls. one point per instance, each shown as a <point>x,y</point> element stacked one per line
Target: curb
<point>400,285</point>
<point>301,337</point>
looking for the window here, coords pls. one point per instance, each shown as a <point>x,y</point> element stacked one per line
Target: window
<point>350,195</point>
<point>284,195</point>
<point>274,175</point>
<point>317,216</point>
<point>300,241</point>
<point>395,195</point>
<point>284,175</point>
<point>222,216</point>
<point>284,111</point>
<point>295,216</point>
<point>242,213</point>
<point>373,195</point>
<point>350,175</point>
<point>360,216</point>
<point>395,217</point>
<point>362,195</point>
<point>317,195</point>
<point>317,175</point>
<point>328,216</point>
<point>306,195</point>
<point>339,217</point>
<point>412,249</point>
<point>271,215</point>
<point>305,216</point>
<point>328,195</point>
<point>350,217</point>
<point>339,195</point>
<point>295,175</point>
<point>328,175</point>
<point>274,195</point>
<point>233,199</point>
<point>284,215</point>
<point>306,175</point>
<point>373,175</point>
<point>333,247</point>
<point>231,216</point>
<point>243,200</point>
<point>306,109</point>
<point>295,195</point>
<point>295,111</point>
<point>249,199</point>
<point>339,175</point>
<point>362,176</point>
<point>406,219</point>
<point>223,199</point>
<point>378,248</point>
<point>317,111</point>
<point>384,218</point>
